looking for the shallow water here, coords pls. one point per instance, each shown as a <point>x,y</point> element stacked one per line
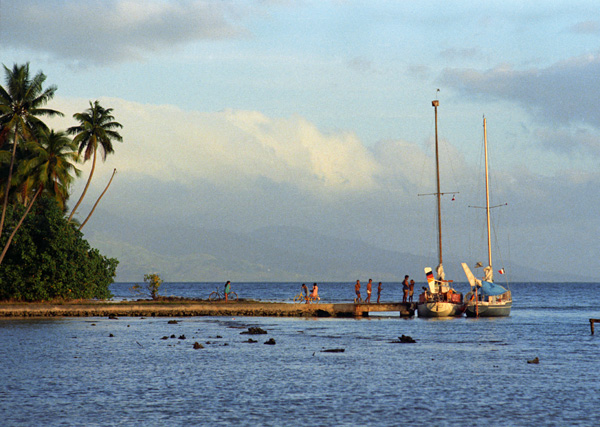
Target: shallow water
<point>460,371</point>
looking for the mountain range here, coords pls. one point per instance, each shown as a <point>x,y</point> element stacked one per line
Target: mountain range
<point>272,254</point>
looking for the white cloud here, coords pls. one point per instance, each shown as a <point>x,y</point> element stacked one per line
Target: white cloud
<point>233,148</point>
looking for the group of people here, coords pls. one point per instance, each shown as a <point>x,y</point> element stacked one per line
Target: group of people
<point>369,291</point>
<point>408,290</point>
<point>314,293</point>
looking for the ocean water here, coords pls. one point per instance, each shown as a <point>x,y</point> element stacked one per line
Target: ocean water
<point>468,372</point>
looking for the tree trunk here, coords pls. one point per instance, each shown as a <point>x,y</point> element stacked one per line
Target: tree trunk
<point>98,201</point>
<point>9,241</point>
<point>10,170</point>
<point>85,189</point>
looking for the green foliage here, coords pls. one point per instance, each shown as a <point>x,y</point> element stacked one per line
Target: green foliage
<point>152,284</point>
<point>49,259</point>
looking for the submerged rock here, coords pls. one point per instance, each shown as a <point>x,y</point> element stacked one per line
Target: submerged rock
<point>172,322</point>
<point>534,361</point>
<point>405,339</point>
<point>254,331</point>
<point>113,317</point>
<point>197,345</point>
<point>334,350</point>
<point>251,341</point>
<point>270,341</point>
<point>181,337</point>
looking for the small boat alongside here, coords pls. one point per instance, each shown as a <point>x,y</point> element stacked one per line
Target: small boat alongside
<point>486,298</point>
<point>439,299</point>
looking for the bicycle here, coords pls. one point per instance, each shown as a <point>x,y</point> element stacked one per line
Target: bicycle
<point>303,298</point>
<point>218,296</point>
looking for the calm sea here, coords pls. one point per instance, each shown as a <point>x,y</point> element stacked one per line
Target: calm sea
<point>467,372</point>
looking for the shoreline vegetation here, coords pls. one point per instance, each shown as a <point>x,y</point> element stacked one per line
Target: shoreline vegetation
<point>43,253</point>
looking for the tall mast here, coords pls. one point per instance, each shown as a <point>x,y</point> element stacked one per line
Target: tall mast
<point>435,104</point>
<point>487,193</point>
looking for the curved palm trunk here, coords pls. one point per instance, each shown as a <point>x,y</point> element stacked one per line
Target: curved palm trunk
<point>9,241</point>
<point>87,185</point>
<point>10,170</point>
<point>98,201</point>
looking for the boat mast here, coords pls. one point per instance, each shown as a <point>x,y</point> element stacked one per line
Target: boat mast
<point>487,194</point>
<point>435,104</point>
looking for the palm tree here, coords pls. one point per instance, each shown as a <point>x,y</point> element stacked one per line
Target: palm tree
<point>48,169</point>
<point>96,129</point>
<point>51,163</point>
<point>21,103</point>
<point>98,201</point>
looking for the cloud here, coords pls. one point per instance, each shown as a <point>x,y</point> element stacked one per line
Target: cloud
<point>586,27</point>
<point>235,149</point>
<point>569,141</point>
<point>113,30</point>
<point>457,54</point>
<point>561,94</point>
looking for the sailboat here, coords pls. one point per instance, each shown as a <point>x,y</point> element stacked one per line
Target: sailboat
<point>438,298</point>
<point>486,298</point>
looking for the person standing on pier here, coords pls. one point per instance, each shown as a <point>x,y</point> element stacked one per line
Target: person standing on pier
<point>305,292</point>
<point>411,290</point>
<point>405,287</point>
<point>357,290</point>
<point>227,289</point>
<point>378,292</point>
<point>369,288</point>
<point>314,292</point>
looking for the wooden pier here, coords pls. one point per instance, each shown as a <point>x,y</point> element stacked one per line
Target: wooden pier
<point>183,308</point>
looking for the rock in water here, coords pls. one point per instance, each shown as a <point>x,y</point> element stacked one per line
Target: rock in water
<point>254,331</point>
<point>534,361</point>
<point>406,339</point>
<point>197,345</point>
<point>270,341</point>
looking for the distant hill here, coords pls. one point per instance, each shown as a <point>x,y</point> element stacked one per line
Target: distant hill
<point>269,254</point>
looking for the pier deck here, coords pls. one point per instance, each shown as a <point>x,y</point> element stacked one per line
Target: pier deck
<point>182,308</point>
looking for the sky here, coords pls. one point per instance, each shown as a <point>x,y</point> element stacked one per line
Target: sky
<point>239,115</point>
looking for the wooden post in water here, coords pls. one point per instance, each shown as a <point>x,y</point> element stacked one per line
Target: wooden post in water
<point>592,321</point>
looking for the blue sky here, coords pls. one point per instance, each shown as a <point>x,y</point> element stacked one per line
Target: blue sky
<point>246,114</point>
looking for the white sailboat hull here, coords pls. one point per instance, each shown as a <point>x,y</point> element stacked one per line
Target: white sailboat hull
<point>440,309</point>
<point>486,309</point>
